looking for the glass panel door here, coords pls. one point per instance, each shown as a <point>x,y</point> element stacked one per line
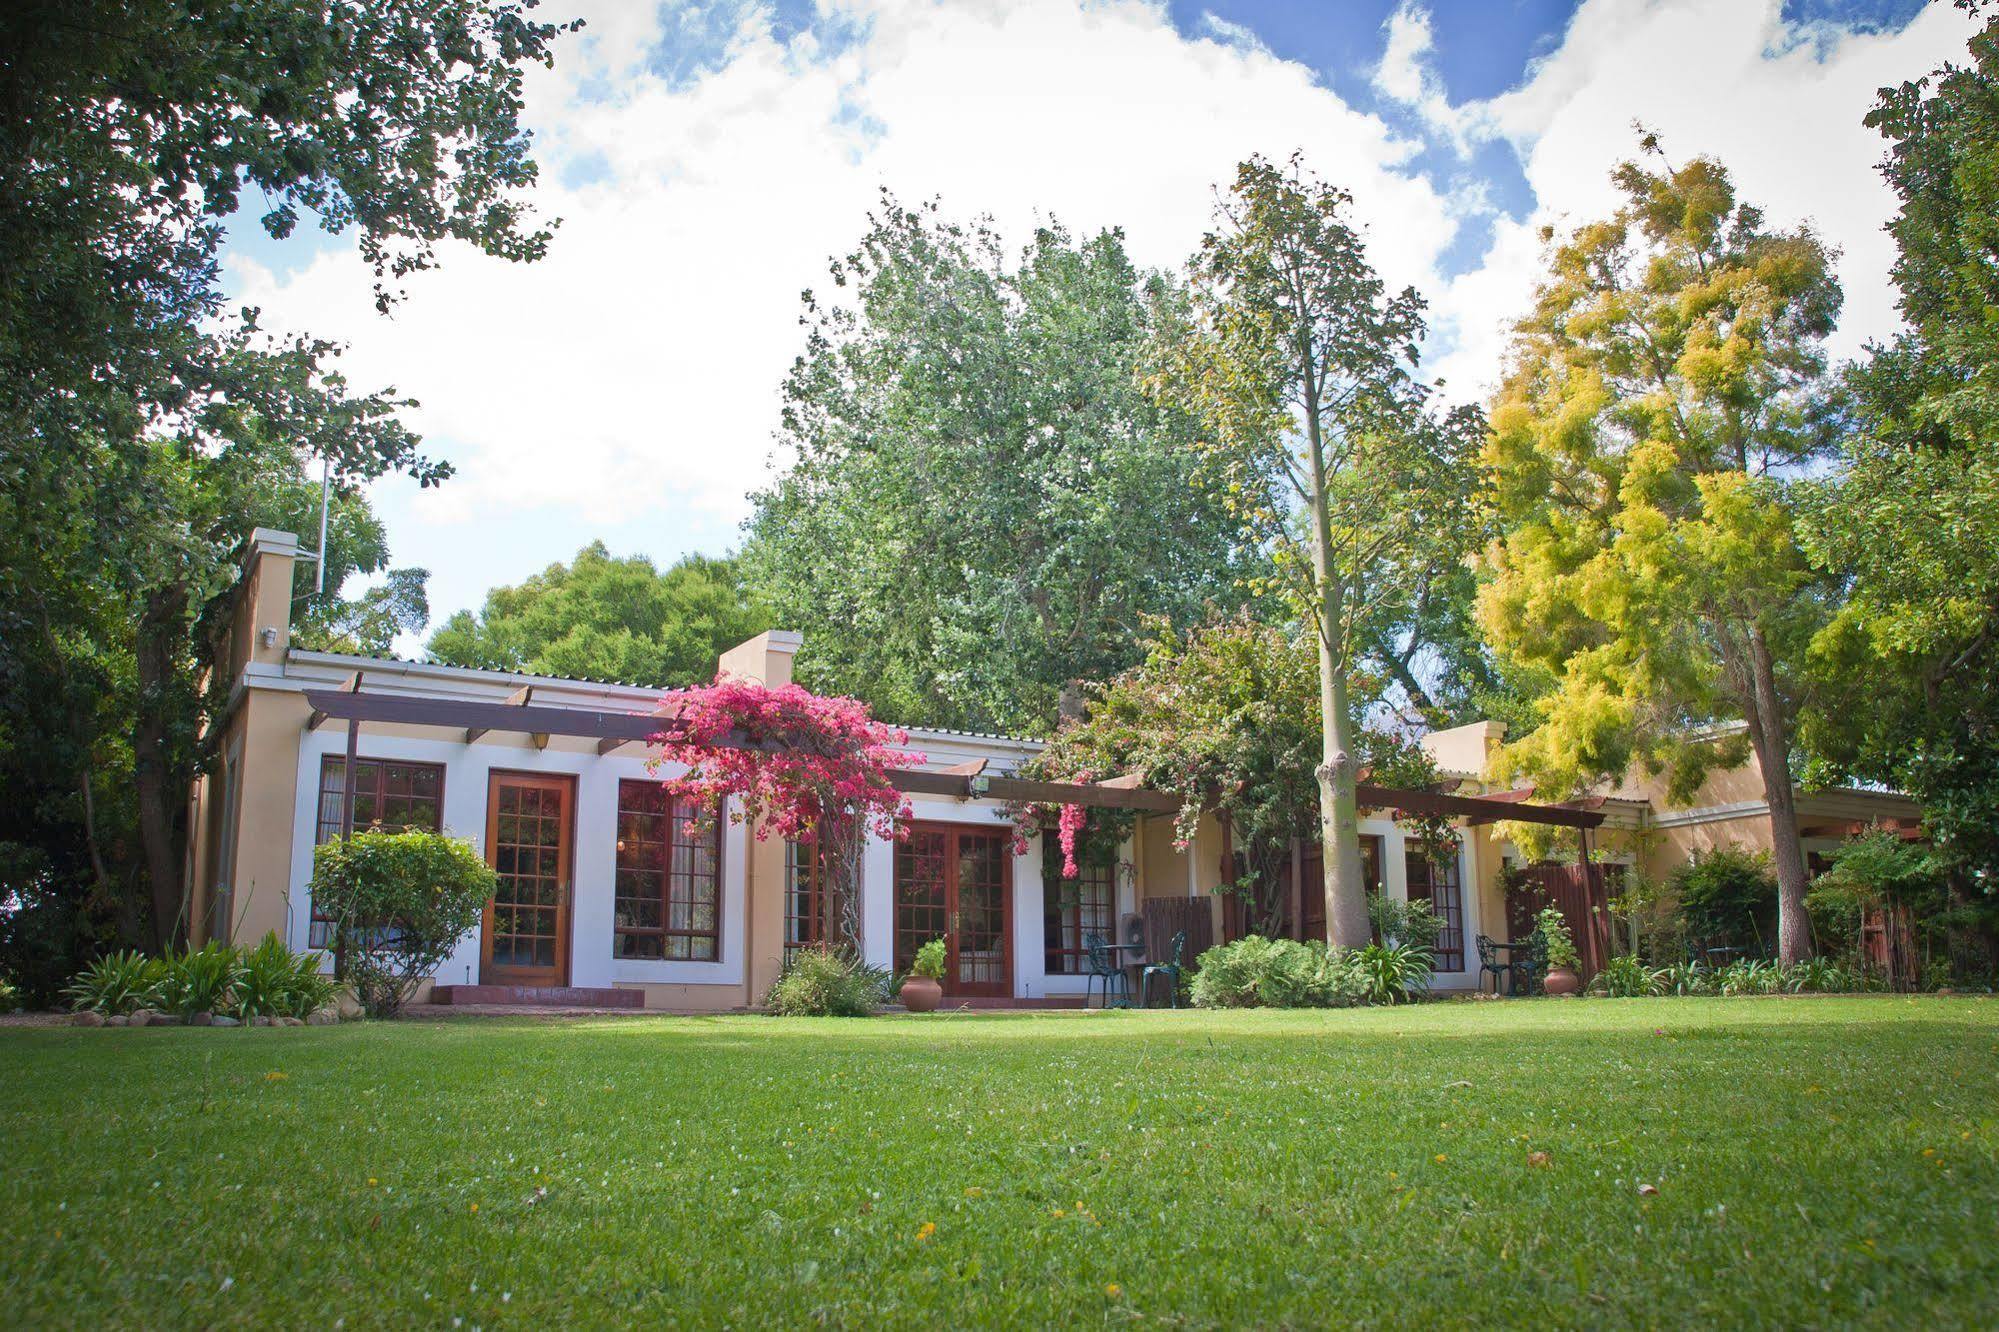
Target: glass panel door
<point>525,941</point>
<point>956,884</point>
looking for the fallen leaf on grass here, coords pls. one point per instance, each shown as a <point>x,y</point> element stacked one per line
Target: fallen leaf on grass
<point>1646,1190</point>
<point>1539,1159</point>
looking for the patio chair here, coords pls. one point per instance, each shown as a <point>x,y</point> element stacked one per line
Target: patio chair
<point>1169,969</point>
<point>1530,967</point>
<point>1488,960</point>
<point>1104,967</point>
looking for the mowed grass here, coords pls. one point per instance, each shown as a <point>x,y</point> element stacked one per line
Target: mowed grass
<point>1817,1162</point>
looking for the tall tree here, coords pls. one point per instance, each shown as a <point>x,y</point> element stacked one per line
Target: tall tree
<point>139,431</point>
<point>604,618</point>
<point>1302,367</point>
<point>981,507</point>
<point>1913,514</point>
<point>1665,395</point>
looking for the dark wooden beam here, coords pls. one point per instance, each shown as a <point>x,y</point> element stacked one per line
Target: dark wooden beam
<point>1476,808</point>
<point>351,685</point>
<point>390,709</point>
<point>518,699</point>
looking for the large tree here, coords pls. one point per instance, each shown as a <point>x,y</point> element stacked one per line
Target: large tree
<point>980,506</point>
<point>141,433</point>
<point>1302,367</point>
<point>1913,514</point>
<point>604,618</point>
<point>1665,396</point>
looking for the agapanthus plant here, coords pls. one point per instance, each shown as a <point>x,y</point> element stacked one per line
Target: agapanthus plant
<point>794,764</point>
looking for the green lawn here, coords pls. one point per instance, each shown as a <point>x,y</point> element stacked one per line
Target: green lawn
<point>1822,1161</point>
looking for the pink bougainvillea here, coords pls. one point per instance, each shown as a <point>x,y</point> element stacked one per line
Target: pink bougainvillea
<point>1067,828</point>
<point>794,761</point>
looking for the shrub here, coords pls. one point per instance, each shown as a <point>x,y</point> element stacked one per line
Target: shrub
<point>9,999</point>
<point>1728,896</point>
<point>400,903</point>
<point>1255,972</point>
<point>828,982</point>
<point>277,982</point>
<point>116,983</point>
<point>929,961</point>
<point>1394,973</point>
<point>201,980</point>
<point>1404,922</point>
<point>1625,977</point>
<point>1561,944</point>
<point>1749,975</point>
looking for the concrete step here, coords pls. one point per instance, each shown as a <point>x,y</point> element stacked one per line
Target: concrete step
<point>537,996</point>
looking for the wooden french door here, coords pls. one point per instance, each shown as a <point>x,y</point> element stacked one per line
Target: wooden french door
<point>529,822</point>
<point>956,884</point>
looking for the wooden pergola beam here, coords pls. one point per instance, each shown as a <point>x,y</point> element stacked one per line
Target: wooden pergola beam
<point>351,685</point>
<point>611,729</point>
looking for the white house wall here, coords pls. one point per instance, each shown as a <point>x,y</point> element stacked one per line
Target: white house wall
<point>468,772</point>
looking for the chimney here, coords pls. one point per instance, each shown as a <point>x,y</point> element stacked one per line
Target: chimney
<point>765,659</point>
<point>262,626</point>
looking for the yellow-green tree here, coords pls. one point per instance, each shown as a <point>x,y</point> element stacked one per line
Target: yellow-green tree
<point>1301,366</point>
<point>1663,399</point>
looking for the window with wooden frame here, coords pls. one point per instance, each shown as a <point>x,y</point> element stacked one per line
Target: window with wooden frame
<point>812,912</point>
<point>668,904</point>
<point>389,796</point>
<point>1438,885</point>
<point>1073,910</point>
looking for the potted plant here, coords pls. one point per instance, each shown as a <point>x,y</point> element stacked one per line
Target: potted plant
<point>1562,958</point>
<point>923,990</point>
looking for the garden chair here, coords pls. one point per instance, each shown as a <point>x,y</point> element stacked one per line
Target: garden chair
<point>1488,960</point>
<point>1531,966</point>
<point>1104,967</point>
<point>1169,969</point>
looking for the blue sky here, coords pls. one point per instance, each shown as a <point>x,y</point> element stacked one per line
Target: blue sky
<point>707,156</point>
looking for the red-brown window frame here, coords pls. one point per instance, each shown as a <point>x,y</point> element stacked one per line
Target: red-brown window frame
<point>327,822</point>
<point>1448,959</point>
<point>1057,958</point>
<point>677,815</point>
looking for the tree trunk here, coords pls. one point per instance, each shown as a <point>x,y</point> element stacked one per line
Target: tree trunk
<point>1769,734</point>
<point>1339,814</point>
<point>159,800</point>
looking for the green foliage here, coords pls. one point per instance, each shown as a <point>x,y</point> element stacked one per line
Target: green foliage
<point>1394,973</point>
<point>1912,516</point>
<point>1414,922</point>
<point>1749,975</point>
<point>10,998</point>
<point>929,961</point>
<point>143,433</point>
<point>605,618</point>
<point>1727,896</point>
<point>201,980</point>
<point>277,982</point>
<point>1550,925</point>
<point>1625,977</point>
<point>400,903</point>
<point>828,982</point>
<point>1255,972</point>
<point>982,508</point>
<point>117,983</point>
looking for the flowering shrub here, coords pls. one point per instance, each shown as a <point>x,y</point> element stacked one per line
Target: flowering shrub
<point>803,767</point>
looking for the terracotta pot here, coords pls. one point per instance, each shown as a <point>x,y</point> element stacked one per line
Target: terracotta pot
<point>920,994</point>
<point>1561,981</point>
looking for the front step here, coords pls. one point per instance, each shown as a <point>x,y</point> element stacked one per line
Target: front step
<point>538,996</point>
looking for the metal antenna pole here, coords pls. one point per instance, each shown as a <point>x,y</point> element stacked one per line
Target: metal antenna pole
<point>325,499</point>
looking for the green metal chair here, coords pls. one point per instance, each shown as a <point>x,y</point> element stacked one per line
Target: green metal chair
<point>1104,967</point>
<point>1169,969</point>
<point>1488,960</point>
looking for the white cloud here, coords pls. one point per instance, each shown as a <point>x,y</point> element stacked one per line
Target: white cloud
<point>628,383</point>
<point>633,374</point>
<point>1779,104</point>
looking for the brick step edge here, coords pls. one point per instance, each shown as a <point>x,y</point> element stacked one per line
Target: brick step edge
<point>546,996</point>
